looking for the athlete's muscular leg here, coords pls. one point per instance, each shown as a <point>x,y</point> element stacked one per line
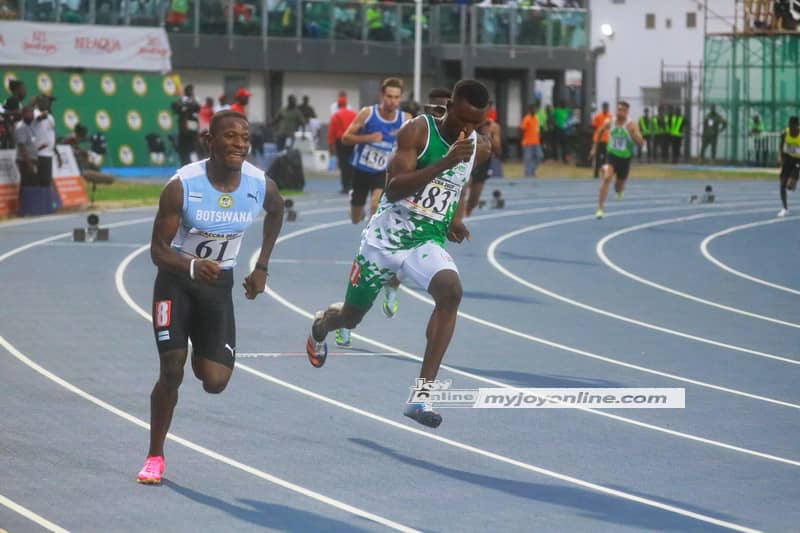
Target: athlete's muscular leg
<point>445,287</point>
<point>337,316</point>
<point>356,214</point>
<point>376,198</point>
<point>619,185</point>
<point>475,190</point>
<point>214,375</point>
<point>164,397</point>
<point>608,175</point>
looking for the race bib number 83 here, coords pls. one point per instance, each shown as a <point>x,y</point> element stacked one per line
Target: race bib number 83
<point>435,199</point>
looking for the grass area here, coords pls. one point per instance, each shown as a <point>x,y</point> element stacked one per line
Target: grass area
<point>551,169</point>
<point>128,193</point>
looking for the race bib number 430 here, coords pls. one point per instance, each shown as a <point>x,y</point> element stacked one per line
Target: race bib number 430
<point>373,158</point>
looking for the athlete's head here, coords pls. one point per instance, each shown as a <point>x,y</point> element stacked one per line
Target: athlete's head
<point>622,110</point>
<point>794,126</point>
<point>437,102</point>
<point>229,139</point>
<point>467,110</point>
<point>391,93</point>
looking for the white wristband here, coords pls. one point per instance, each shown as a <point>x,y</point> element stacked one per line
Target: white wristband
<point>191,268</point>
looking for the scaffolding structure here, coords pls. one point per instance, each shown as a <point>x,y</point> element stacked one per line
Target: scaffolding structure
<point>752,71</point>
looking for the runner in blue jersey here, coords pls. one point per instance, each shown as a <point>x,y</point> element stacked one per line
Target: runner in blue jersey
<point>374,134</point>
<point>202,215</point>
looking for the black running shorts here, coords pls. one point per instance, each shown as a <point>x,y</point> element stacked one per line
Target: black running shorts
<point>790,168</point>
<point>481,173</point>
<point>621,165</point>
<point>363,183</point>
<point>185,309</point>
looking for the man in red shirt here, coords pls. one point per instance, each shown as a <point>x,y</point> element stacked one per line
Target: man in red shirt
<point>598,122</point>
<point>339,123</point>
<point>240,101</point>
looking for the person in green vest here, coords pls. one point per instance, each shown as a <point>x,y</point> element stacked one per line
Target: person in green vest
<point>790,161</point>
<point>646,127</point>
<point>759,141</point>
<point>623,135</point>
<point>561,115</point>
<point>677,128</point>
<point>713,125</point>
<point>661,137</point>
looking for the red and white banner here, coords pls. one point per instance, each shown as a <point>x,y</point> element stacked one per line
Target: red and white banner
<point>67,179</point>
<point>9,183</point>
<point>86,46</point>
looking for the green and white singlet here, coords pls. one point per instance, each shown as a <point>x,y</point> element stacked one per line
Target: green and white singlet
<point>425,216</point>
<point>620,142</point>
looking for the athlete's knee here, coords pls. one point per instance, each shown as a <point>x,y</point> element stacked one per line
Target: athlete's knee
<point>215,385</point>
<point>446,289</point>
<point>171,375</point>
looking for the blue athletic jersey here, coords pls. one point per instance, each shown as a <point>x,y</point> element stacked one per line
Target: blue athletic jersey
<point>213,222</point>
<point>373,157</point>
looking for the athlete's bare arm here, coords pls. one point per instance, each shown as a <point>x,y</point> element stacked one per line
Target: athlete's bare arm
<point>255,283</point>
<point>494,133</point>
<point>484,151</point>
<point>165,226</point>
<point>352,137</point>
<point>633,129</point>
<point>402,176</point>
<point>598,134</point>
<point>457,231</point>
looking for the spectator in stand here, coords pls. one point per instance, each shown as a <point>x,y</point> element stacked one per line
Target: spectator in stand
<point>531,141</point>
<point>339,123</point>
<point>598,121</point>
<point>286,122</point>
<point>240,101</point>
<point>188,125</point>
<point>205,114</point>
<point>27,148</point>
<point>44,130</point>
<point>18,92</point>
<point>335,104</point>
<point>561,115</point>
<point>310,117</point>
<point>223,103</point>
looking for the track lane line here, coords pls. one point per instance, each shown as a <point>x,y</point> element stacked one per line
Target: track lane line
<point>707,241</point>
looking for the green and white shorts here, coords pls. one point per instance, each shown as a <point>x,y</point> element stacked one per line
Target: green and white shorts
<point>374,266</point>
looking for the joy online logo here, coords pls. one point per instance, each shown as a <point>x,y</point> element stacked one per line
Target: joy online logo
<point>38,45</point>
<point>154,47</point>
<point>107,45</point>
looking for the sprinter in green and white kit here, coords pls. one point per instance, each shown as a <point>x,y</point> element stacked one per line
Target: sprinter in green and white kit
<point>421,207</point>
<point>623,135</point>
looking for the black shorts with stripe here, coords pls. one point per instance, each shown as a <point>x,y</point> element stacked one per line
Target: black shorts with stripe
<point>621,165</point>
<point>186,309</point>
<point>364,183</point>
<point>790,169</point>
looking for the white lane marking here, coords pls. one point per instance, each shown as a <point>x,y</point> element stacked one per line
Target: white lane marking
<point>201,449</point>
<point>491,256</point>
<point>501,458</point>
<point>96,244</point>
<point>30,515</point>
<point>450,442</point>
<point>52,238</point>
<point>310,261</point>
<point>600,249</point>
<point>188,444</point>
<point>496,383</point>
<point>276,355</point>
<point>707,241</point>
<point>599,357</point>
